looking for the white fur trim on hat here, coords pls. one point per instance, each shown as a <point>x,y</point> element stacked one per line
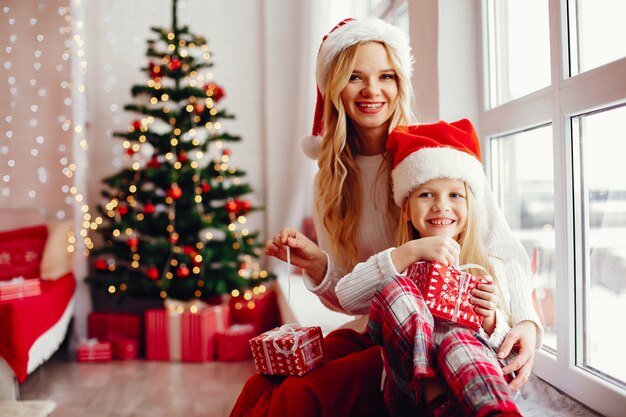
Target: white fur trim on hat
<point>430,163</point>
<point>311,146</point>
<point>369,29</point>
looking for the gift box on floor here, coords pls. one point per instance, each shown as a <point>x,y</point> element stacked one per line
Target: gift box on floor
<point>19,288</point>
<point>446,291</point>
<point>258,306</point>
<point>232,345</point>
<point>109,326</point>
<point>183,334</point>
<point>125,349</point>
<point>288,350</point>
<point>94,351</point>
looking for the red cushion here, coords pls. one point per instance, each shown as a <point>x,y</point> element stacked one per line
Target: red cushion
<point>21,251</point>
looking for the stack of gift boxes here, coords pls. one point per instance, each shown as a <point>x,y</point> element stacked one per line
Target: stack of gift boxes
<point>244,327</point>
<point>111,336</point>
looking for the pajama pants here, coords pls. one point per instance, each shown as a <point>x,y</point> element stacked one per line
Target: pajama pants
<point>348,384</point>
<point>415,349</point>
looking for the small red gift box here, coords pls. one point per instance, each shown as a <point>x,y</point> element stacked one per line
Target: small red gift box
<point>184,335</point>
<point>260,309</point>
<point>446,291</point>
<point>288,350</point>
<point>94,351</point>
<point>125,349</point>
<point>232,344</point>
<point>108,326</point>
<point>19,288</point>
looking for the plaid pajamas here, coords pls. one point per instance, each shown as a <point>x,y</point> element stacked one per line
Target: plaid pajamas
<point>414,348</point>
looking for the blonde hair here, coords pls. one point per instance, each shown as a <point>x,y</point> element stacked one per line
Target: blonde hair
<point>339,197</point>
<point>473,250</point>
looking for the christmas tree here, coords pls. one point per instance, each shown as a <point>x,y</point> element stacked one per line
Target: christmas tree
<point>175,218</point>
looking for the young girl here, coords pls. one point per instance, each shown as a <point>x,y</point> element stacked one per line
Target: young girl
<point>439,184</point>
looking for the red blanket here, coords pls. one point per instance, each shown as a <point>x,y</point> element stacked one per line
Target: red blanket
<point>22,321</point>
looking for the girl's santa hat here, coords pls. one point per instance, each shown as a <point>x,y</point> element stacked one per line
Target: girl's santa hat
<point>347,33</point>
<point>440,150</point>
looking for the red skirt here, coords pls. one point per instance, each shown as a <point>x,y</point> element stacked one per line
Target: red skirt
<point>347,385</point>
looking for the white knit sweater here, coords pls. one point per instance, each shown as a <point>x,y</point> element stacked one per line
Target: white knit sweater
<point>352,291</point>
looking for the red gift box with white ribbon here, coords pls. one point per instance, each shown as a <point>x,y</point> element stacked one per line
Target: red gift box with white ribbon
<point>92,350</point>
<point>184,332</point>
<point>232,344</point>
<point>19,288</point>
<point>447,290</point>
<point>288,350</point>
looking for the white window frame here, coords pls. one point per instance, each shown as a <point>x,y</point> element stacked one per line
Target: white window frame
<point>566,97</point>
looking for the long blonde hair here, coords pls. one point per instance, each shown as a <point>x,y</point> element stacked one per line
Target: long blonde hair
<point>339,197</point>
<point>473,250</point>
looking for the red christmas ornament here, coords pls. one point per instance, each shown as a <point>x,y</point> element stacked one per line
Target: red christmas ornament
<point>174,64</point>
<point>226,152</point>
<point>215,92</point>
<point>152,273</point>
<point>182,271</point>
<point>153,163</point>
<point>231,206</point>
<point>132,242</point>
<point>175,192</point>
<point>149,208</point>
<point>206,187</point>
<point>100,264</point>
<point>182,156</point>
<point>173,239</point>
<point>130,151</point>
<point>199,108</point>
<point>155,70</point>
<point>245,205</point>
<point>122,209</point>
<point>136,125</point>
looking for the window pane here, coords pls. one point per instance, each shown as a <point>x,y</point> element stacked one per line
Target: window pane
<point>519,48</point>
<point>597,33</point>
<point>602,142</point>
<point>523,180</point>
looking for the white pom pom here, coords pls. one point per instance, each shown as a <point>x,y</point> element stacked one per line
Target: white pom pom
<point>311,146</point>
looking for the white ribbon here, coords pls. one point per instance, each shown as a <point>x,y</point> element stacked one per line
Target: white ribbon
<point>464,282</point>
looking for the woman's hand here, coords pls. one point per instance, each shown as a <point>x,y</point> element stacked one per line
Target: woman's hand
<point>485,300</point>
<point>523,336</point>
<point>304,253</point>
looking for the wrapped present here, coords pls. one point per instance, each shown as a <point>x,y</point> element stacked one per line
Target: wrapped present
<point>125,349</point>
<point>92,350</point>
<point>258,307</point>
<point>19,287</point>
<point>288,350</point>
<point>232,344</point>
<point>187,334</point>
<point>110,326</point>
<point>446,291</point>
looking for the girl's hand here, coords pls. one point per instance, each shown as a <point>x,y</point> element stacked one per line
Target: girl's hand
<point>304,253</point>
<point>485,300</point>
<point>523,336</point>
<point>442,249</point>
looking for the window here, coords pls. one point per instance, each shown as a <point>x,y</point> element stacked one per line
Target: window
<point>554,95</point>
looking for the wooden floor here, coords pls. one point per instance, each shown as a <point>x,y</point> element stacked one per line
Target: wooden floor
<point>138,388</point>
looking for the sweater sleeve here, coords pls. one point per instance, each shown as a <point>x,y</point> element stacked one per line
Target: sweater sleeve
<point>356,289</point>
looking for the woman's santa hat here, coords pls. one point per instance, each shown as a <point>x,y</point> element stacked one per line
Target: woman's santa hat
<point>429,151</point>
<point>347,33</point>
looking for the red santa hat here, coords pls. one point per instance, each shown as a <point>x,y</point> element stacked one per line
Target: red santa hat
<point>347,33</point>
<point>440,150</point>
